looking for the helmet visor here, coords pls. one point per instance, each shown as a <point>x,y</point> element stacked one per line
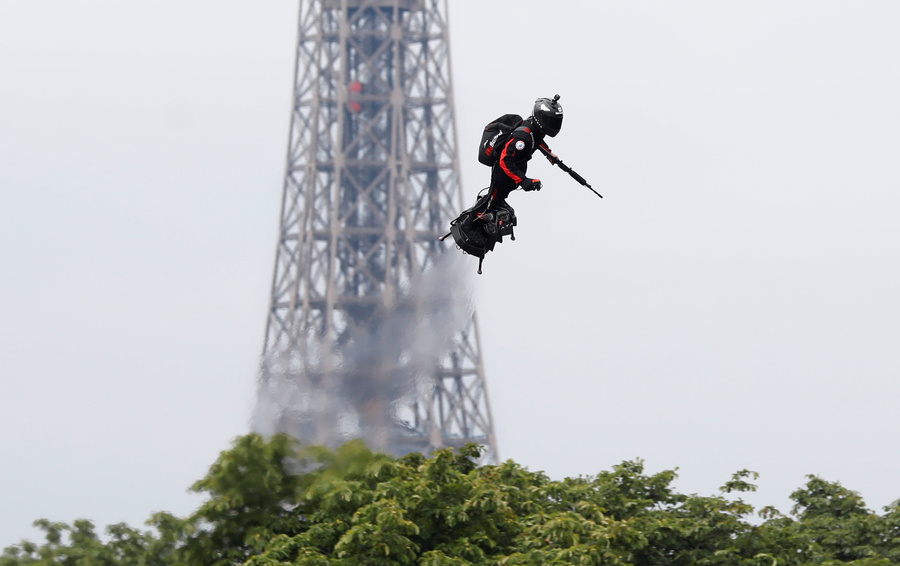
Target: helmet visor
<point>551,124</point>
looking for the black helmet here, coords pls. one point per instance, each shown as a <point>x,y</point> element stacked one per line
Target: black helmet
<point>548,115</point>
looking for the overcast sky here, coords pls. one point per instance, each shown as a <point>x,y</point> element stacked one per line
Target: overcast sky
<point>731,303</point>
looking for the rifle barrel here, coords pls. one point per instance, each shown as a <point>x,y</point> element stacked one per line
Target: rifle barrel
<point>578,178</point>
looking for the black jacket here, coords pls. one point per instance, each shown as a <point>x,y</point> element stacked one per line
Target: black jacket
<point>509,171</point>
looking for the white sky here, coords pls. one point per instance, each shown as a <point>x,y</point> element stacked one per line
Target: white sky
<point>731,303</point>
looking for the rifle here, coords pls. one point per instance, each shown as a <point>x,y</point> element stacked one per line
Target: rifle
<point>558,162</point>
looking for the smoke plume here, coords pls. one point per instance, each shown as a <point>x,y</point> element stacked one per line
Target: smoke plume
<point>363,383</point>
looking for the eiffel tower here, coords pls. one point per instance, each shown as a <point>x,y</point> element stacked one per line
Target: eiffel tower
<point>368,334</point>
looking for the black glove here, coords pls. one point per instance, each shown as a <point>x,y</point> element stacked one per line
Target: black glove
<point>531,185</point>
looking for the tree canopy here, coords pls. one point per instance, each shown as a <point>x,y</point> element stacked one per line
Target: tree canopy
<point>270,502</point>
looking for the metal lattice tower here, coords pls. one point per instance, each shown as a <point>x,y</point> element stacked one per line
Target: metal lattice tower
<point>372,181</point>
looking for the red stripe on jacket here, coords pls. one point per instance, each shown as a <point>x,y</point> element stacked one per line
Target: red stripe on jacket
<point>505,167</point>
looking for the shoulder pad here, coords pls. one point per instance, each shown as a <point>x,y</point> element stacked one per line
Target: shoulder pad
<point>523,133</point>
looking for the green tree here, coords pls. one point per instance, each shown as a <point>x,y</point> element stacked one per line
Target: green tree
<point>251,492</point>
<point>79,545</point>
<point>272,503</point>
<point>839,527</point>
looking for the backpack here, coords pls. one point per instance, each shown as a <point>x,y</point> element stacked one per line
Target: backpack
<point>495,136</point>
